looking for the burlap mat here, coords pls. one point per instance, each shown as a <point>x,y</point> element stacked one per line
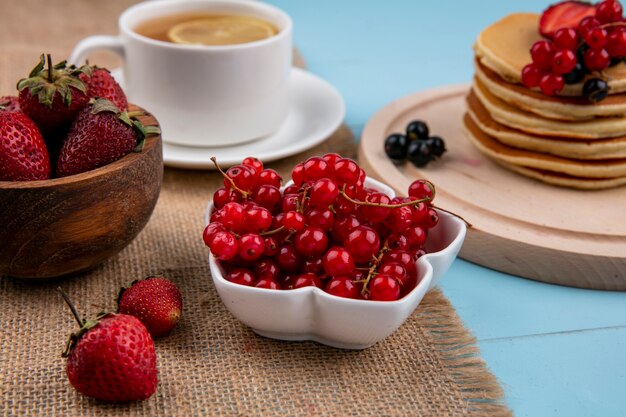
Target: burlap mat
<point>212,364</point>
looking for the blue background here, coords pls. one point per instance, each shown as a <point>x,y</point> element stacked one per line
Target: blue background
<point>556,351</point>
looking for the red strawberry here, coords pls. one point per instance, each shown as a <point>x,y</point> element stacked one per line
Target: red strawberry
<point>111,358</point>
<point>23,152</point>
<point>52,96</point>
<point>566,14</point>
<point>9,103</point>
<point>156,301</point>
<point>99,135</point>
<point>101,84</point>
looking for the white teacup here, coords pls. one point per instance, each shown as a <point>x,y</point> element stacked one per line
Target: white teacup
<point>204,95</point>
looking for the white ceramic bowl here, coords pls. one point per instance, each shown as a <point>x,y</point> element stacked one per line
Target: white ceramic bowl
<point>312,314</point>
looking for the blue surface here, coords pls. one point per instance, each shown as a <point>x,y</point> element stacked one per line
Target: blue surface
<point>557,351</point>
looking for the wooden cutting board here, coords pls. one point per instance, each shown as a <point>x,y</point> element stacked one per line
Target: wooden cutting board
<point>520,226</point>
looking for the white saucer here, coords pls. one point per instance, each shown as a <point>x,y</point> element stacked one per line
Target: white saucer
<point>317,111</point>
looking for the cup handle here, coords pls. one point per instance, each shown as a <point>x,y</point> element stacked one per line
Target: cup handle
<point>94,43</point>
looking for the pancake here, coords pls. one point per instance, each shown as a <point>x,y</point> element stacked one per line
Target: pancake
<point>603,169</point>
<point>566,180</point>
<point>562,108</point>
<point>513,117</point>
<point>504,47</point>
<point>567,148</point>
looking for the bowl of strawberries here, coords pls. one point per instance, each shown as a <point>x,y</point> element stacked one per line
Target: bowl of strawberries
<point>80,171</point>
<point>333,256</point>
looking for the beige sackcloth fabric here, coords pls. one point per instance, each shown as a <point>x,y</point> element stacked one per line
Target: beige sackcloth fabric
<point>212,364</point>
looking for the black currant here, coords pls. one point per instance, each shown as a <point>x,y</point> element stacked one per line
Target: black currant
<point>437,145</point>
<point>419,153</point>
<point>417,129</point>
<point>580,55</point>
<point>595,90</point>
<point>576,75</point>
<point>396,146</point>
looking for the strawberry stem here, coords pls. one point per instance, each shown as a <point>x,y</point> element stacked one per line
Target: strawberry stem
<point>68,301</point>
<point>50,77</point>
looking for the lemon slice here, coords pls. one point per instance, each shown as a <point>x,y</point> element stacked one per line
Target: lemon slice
<point>221,30</point>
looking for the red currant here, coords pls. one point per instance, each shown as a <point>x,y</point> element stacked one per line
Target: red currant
<point>375,214</point>
<point>331,159</point>
<point>314,265</point>
<point>267,196</point>
<point>241,276</point>
<point>586,24</point>
<point>616,43</point>
<point>531,75</point>
<point>564,61</point>
<point>551,84</point>
<point>293,221</point>
<point>320,217</point>
<point>253,163</point>
<point>395,270</point>
<point>597,59</point>
<point>542,53</point>
<point>609,11</point>
<point>432,219</point>
<point>338,261</point>
<point>323,193</point>
<point>404,258</point>
<point>267,269</point>
<point>416,236</point>
<point>343,226</point>
<point>270,177</point>
<point>242,176</point>
<point>419,214</point>
<point>211,230</point>
<point>399,219</point>
<point>346,172</point>
<point>314,169</point>
<point>397,241</point>
<point>224,195</point>
<point>384,288</point>
<point>224,245</point>
<point>297,174</point>
<point>363,243</point>
<point>251,247</point>
<point>258,219</point>
<point>342,287</point>
<point>566,38</point>
<point>311,241</point>
<point>422,189</point>
<point>289,202</point>
<point>596,38</point>
<point>288,259</point>
<point>307,279</point>
<point>271,246</point>
<point>269,284</point>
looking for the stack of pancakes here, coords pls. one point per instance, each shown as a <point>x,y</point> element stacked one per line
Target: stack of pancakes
<point>563,140</point>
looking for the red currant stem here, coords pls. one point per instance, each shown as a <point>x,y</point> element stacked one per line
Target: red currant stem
<point>68,301</point>
<point>468,224</point>
<point>362,268</point>
<point>612,24</point>
<point>300,205</point>
<point>390,206</point>
<point>373,270</point>
<point>232,183</point>
<point>272,232</point>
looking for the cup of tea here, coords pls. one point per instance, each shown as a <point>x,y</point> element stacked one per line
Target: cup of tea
<point>213,72</point>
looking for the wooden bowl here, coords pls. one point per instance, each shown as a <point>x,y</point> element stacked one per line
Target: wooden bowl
<point>61,226</point>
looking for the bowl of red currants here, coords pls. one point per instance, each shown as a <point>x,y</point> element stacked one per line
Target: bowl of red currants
<point>333,256</point>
